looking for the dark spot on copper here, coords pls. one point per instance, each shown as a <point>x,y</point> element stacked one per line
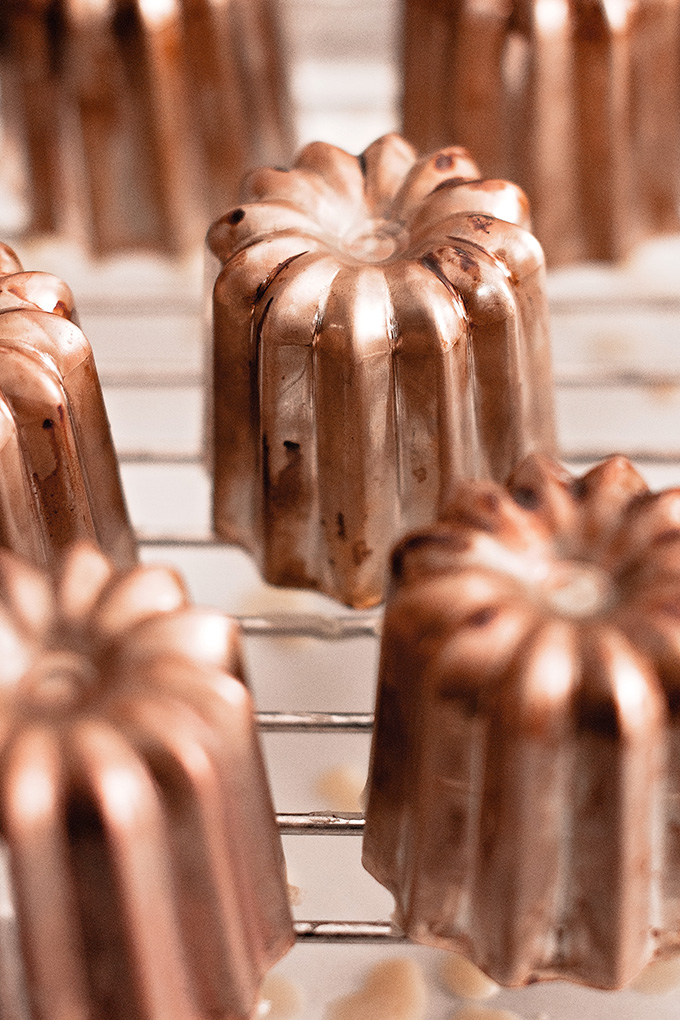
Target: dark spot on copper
<point>341,526</point>
<point>361,160</point>
<point>467,263</point>
<point>282,169</point>
<point>360,552</point>
<point>420,474</point>
<point>236,216</point>
<point>283,489</point>
<point>526,497</point>
<point>482,617</point>
<point>443,161</point>
<point>48,423</point>
<point>483,223</point>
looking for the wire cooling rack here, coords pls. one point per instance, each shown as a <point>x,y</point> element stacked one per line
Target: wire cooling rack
<point>312,663</point>
<point>616,336</point>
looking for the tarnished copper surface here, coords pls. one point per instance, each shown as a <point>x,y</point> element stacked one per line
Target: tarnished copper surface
<point>137,118</point>
<point>140,865</point>
<point>58,471</point>
<point>525,765</point>
<point>576,100</point>
<point>380,328</point>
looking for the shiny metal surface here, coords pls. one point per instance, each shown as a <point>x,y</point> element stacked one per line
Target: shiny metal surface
<point>523,787</point>
<point>576,100</point>
<point>135,119</point>
<point>378,332</point>
<point>347,931</point>
<point>59,475</point>
<point>145,875</point>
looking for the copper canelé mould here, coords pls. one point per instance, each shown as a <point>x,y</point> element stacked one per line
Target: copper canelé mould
<point>132,121</point>
<point>524,782</point>
<point>380,329</point>
<point>576,100</point>
<point>141,871</point>
<point>58,470</point>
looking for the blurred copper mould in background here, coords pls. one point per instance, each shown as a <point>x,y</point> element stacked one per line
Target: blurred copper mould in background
<point>134,120</point>
<point>380,329</point>
<point>523,789</point>
<point>58,470</point>
<point>576,100</point>
<point>141,869</point>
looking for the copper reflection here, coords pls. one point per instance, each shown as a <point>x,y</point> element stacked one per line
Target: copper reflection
<point>576,100</point>
<point>141,864</point>
<point>380,329</point>
<point>58,471</point>
<point>523,786</point>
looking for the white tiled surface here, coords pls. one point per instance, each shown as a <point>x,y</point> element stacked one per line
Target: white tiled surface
<point>617,358</point>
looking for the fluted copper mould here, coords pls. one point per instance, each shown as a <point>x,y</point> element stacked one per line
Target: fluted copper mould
<point>141,865</point>
<point>576,100</point>
<point>380,328</point>
<point>59,476</point>
<point>137,118</point>
<point>524,778</point>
